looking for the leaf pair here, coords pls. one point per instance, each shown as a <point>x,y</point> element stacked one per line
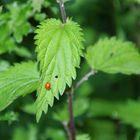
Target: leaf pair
<point>59,47</point>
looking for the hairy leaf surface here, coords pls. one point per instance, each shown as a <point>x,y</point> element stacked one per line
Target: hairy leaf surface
<point>114,56</point>
<point>59,47</point>
<point>18,80</point>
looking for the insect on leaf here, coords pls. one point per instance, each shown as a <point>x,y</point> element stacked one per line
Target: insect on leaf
<point>59,47</point>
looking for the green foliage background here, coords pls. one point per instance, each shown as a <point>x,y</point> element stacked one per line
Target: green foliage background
<point>107,107</point>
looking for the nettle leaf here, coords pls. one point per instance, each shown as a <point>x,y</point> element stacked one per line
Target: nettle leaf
<point>111,55</point>
<point>18,18</point>
<point>7,44</point>
<point>9,116</point>
<point>132,118</point>
<point>4,65</point>
<point>83,137</point>
<point>37,5</point>
<point>0,9</point>
<point>18,80</point>
<point>59,47</point>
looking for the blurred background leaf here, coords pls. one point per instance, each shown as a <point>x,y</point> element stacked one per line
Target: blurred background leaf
<point>83,137</point>
<point>130,113</point>
<point>9,116</point>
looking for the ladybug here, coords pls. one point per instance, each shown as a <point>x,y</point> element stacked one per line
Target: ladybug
<point>48,86</point>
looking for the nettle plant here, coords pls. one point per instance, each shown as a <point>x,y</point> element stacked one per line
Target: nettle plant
<point>59,48</point>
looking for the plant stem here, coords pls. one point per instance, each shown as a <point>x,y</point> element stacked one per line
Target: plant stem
<point>62,9</point>
<point>71,116</point>
<point>71,133</point>
<point>70,129</point>
<point>65,125</point>
<point>85,78</point>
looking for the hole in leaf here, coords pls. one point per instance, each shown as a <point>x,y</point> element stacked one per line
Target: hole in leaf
<point>56,76</point>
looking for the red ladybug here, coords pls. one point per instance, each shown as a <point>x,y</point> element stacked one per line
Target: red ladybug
<point>48,86</point>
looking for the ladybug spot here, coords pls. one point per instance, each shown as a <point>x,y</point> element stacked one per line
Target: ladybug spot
<point>48,86</point>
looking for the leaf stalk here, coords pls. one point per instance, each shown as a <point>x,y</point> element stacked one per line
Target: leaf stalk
<point>62,10</point>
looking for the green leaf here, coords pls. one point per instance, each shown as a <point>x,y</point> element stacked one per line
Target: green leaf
<point>29,108</point>
<point>4,65</point>
<point>18,18</point>
<point>9,116</point>
<point>40,16</point>
<point>18,80</point>
<point>23,52</point>
<point>37,4</point>
<point>6,43</point>
<point>83,137</point>
<point>133,1</point>
<point>61,115</point>
<point>0,9</point>
<point>111,55</point>
<point>129,113</point>
<point>54,134</point>
<point>59,47</point>
<point>103,130</point>
<point>16,15</point>
<point>137,136</point>
<point>137,1</point>
<point>100,108</point>
<point>22,133</point>
<point>85,105</point>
